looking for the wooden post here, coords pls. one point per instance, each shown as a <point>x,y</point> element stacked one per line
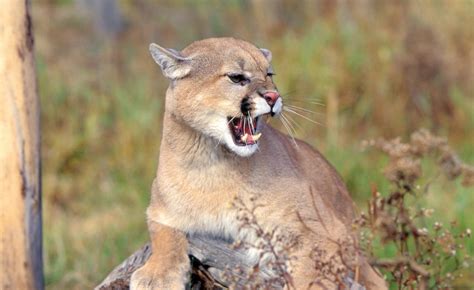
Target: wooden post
<point>20,187</point>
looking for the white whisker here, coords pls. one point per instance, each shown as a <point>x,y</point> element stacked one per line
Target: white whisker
<point>302,116</point>
<point>218,142</point>
<point>290,125</point>
<point>243,128</point>
<point>314,102</point>
<point>251,125</point>
<point>288,130</point>
<point>293,121</point>
<point>303,99</point>
<point>303,109</point>
<point>231,120</point>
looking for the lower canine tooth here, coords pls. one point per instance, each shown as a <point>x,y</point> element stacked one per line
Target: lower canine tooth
<point>256,137</point>
<point>244,137</point>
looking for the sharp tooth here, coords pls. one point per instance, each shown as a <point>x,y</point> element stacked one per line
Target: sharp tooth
<point>257,136</point>
<point>244,137</point>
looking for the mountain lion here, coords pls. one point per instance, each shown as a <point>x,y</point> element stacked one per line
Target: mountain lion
<point>216,147</point>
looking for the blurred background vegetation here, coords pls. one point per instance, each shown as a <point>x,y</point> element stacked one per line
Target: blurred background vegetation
<point>381,69</point>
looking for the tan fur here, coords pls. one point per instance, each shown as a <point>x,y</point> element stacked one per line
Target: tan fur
<point>199,177</point>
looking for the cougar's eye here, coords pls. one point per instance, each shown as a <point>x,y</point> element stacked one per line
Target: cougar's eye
<point>238,79</point>
<point>270,74</point>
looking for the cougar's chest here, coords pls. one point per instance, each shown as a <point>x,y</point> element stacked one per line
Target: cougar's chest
<point>199,200</point>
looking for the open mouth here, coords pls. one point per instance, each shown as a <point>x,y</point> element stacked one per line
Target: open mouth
<point>244,130</point>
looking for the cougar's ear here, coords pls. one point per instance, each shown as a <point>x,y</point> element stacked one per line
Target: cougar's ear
<point>267,54</point>
<point>173,64</point>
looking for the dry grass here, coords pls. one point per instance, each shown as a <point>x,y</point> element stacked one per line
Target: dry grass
<point>427,255</point>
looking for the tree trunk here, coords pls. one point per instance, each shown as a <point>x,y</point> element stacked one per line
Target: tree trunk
<point>210,259</point>
<point>20,187</point>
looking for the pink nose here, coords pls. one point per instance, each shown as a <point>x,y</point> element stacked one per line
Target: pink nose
<point>271,97</point>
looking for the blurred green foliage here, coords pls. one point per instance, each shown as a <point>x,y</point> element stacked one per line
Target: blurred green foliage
<point>382,68</point>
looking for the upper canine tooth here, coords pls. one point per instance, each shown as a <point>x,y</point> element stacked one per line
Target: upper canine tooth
<point>244,137</point>
<point>256,136</point>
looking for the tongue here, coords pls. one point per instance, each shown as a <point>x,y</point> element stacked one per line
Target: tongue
<point>250,139</point>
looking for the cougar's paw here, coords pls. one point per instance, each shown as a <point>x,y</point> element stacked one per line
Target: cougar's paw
<point>151,278</point>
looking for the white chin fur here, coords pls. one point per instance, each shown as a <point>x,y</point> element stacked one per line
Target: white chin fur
<point>243,151</point>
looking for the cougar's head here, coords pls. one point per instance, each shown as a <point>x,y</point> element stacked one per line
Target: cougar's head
<point>223,88</point>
